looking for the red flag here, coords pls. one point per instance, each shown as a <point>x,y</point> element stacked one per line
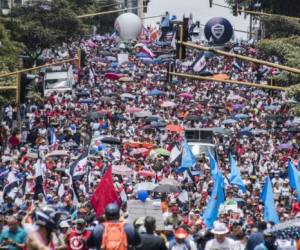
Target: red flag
<point>104,194</point>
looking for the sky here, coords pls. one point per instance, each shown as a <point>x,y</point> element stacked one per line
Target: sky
<point>200,10</point>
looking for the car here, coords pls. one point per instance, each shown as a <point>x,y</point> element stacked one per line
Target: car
<point>58,79</point>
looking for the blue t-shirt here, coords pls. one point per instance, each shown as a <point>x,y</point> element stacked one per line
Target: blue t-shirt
<point>17,237</point>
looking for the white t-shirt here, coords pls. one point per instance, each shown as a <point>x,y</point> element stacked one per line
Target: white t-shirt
<point>227,244</point>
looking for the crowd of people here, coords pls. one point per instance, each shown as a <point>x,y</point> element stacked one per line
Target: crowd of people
<point>128,117</point>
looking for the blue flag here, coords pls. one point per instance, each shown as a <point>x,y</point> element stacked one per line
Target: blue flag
<point>213,165</point>
<point>188,159</point>
<point>270,213</point>
<point>294,177</point>
<point>235,175</point>
<point>216,199</point>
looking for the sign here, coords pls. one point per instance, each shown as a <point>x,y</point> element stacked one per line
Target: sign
<point>138,209</point>
<point>218,30</point>
<point>122,58</point>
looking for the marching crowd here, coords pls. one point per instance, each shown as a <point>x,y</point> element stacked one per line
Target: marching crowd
<point>127,117</point>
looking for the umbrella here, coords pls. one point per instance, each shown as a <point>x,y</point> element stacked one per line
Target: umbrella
<point>111,58</point>
<point>174,128</point>
<point>286,230</point>
<point>127,95</point>
<point>139,45</point>
<point>105,53</point>
<point>121,170</point>
<point>169,181</point>
<point>168,104</point>
<point>241,116</point>
<point>272,107</point>
<point>186,96</point>
<point>86,101</point>
<point>244,133</point>
<point>155,92</point>
<point>148,186</point>
<point>150,119</point>
<point>146,173</point>
<point>163,152</point>
<point>237,106</point>
<point>235,97</point>
<point>112,76</point>
<point>229,121</point>
<point>158,124</point>
<point>105,98</point>
<point>259,131</point>
<point>125,79</point>
<point>219,130</point>
<point>138,151</point>
<point>285,146</point>
<point>133,110</point>
<point>166,188</point>
<point>111,140</point>
<point>143,114</point>
<point>90,44</point>
<point>221,77</point>
<point>58,153</point>
<point>193,118</point>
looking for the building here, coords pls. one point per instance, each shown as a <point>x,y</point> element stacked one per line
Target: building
<point>141,6</point>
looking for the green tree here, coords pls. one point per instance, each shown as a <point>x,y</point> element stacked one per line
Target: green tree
<point>43,24</point>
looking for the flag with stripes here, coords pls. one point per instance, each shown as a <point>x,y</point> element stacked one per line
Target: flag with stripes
<point>175,154</point>
<point>12,186</point>
<point>39,173</point>
<point>200,63</point>
<point>79,167</point>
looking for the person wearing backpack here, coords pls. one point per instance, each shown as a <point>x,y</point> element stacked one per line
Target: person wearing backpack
<point>113,234</point>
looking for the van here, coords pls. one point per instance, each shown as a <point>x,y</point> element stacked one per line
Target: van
<point>58,79</point>
<point>200,140</point>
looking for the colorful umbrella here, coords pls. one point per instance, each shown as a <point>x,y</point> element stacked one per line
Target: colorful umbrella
<point>163,152</point>
<point>112,76</point>
<point>186,96</point>
<point>133,110</point>
<point>174,128</point>
<point>221,77</point>
<point>168,104</point>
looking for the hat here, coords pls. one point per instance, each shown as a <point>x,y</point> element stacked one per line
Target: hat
<point>64,224</point>
<point>180,233</point>
<point>219,228</point>
<point>80,221</point>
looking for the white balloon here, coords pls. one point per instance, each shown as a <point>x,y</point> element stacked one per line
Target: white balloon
<point>128,26</point>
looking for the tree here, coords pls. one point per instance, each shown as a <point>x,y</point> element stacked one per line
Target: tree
<point>43,24</point>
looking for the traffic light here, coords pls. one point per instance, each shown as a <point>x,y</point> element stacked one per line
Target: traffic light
<point>210,3</point>
<point>235,9</point>
<point>171,68</point>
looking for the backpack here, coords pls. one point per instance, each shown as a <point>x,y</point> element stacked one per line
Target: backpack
<point>114,237</point>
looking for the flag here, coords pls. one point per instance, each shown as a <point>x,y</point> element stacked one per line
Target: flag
<point>175,154</point>
<point>78,168</point>
<point>216,199</point>
<point>13,183</point>
<point>188,159</point>
<point>238,64</point>
<point>52,136</point>
<point>213,165</point>
<point>294,177</point>
<point>173,42</point>
<point>235,175</point>
<point>104,194</point>
<point>270,214</point>
<point>200,63</point>
<point>147,51</point>
<point>39,173</point>
<point>190,23</point>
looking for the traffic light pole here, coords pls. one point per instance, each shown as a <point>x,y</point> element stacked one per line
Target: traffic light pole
<point>246,58</point>
<point>181,39</point>
<point>249,84</point>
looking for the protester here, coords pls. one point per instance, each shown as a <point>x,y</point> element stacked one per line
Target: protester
<point>149,239</point>
<point>114,234</point>
<point>123,128</point>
